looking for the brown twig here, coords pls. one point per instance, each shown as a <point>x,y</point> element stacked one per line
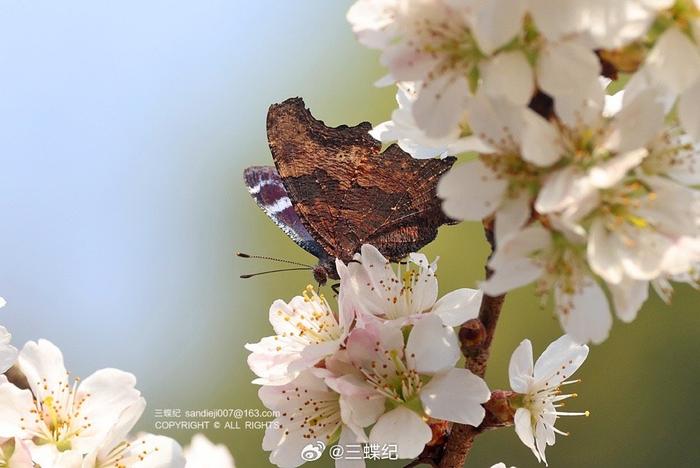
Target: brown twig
<point>475,338</point>
<point>477,353</point>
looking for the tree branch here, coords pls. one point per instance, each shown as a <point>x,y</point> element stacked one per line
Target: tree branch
<point>475,338</point>
<point>476,350</point>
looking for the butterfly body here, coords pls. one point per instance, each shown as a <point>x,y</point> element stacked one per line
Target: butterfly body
<point>332,189</point>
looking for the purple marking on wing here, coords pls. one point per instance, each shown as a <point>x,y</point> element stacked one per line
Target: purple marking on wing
<point>266,187</point>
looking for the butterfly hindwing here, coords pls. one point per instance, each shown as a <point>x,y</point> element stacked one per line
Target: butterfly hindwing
<point>266,187</point>
<point>347,192</point>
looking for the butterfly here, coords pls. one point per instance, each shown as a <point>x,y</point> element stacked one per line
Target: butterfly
<point>333,190</point>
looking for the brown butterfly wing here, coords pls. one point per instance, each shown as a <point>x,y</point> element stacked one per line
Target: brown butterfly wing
<point>348,193</point>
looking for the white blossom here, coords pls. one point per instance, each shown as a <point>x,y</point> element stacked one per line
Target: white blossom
<point>418,379</point>
<point>603,24</point>
<point>425,41</point>
<point>117,449</point>
<point>539,387</point>
<point>403,129</point>
<point>449,49</point>
<point>673,64</point>
<point>59,419</point>
<point>309,412</point>
<point>372,287</point>
<point>644,229</point>
<point>307,330</point>
<point>674,154</point>
<point>559,268</point>
<point>606,178</point>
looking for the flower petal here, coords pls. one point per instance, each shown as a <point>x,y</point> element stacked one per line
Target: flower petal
<point>637,123</point>
<point>361,411</point>
<point>611,172</point>
<point>512,276</point>
<point>559,361</point>
<point>674,62</point>
<point>21,458</point>
<point>511,262</point>
<point>628,297</point>
<point>567,67</point>
<point>523,427</point>
<point>42,364</point>
<point>431,346</point>
<point>66,459</point>
<point>378,344</point>
<point>373,21</point>
<point>541,144</point>
<point>155,451</point>
<point>15,407</point>
<point>520,368</point>
<point>513,214</point>
<point>522,245</point>
<point>119,431</point>
<point>105,396</point>
<point>561,189</point>
<point>285,449</point>
<point>425,289</point>
<point>456,396</point>
<point>349,438</point>
<point>202,453</point>
<point>471,191</point>
<point>403,428</point>
<point>509,75</point>
<point>496,22</point>
<point>544,434</point>
<point>441,105</point>
<point>458,306</point>
<point>496,121</point>
<point>271,359</point>
<point>612,25</point>
<point>8,353</point>
<point>689,111</point>
<point>580,109</point>
<point>585,314</point>
<point>602,253</point>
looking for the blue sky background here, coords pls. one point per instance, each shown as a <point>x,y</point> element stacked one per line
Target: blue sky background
<point>124,127</point>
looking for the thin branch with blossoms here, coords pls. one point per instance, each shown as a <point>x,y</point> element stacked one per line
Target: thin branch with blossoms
<point>584,135</point>
<point>476,338</point>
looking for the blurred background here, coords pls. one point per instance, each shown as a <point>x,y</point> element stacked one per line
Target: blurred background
<point>124,129</point>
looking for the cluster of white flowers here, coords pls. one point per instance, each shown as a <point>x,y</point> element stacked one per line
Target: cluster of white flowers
<point>56,423</point>
<point>383,370</point>
<point>589,191</point>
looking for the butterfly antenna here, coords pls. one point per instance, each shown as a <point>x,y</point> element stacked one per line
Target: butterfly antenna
<point>251,275</point>
<point>281,260</point>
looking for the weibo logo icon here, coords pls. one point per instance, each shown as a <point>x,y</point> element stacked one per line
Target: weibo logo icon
<point>313,451</point>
